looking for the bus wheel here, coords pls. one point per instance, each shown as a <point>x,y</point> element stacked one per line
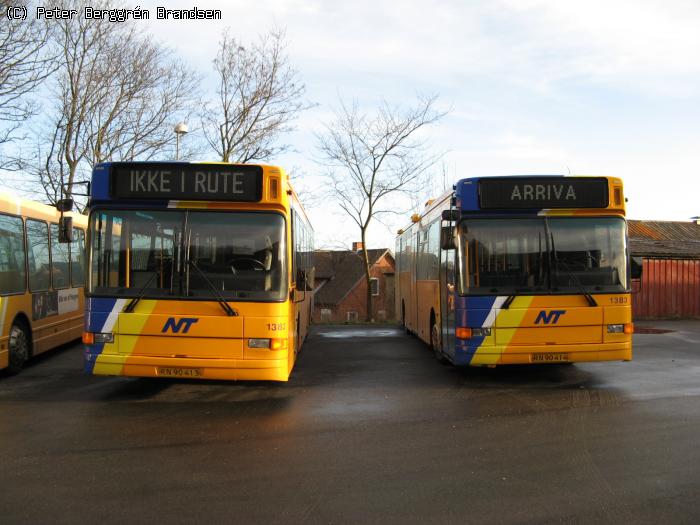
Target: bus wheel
<point>435,343</point>
<point>18,348</point>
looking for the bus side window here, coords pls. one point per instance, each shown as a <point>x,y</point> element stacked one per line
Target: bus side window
<point>77,258</point>
<point>60,260</point>
<point>13,273</point>
<point>39,262</point>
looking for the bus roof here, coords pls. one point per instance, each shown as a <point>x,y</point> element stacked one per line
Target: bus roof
<point>11,203</point>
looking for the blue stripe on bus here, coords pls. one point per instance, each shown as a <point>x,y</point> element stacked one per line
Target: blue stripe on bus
<point>90,356</point>
<point>97,311</point>
<point>470,312</point>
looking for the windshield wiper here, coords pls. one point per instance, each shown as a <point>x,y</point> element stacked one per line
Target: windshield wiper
<point>227,308</point>
<point>132,304</point>
<point>574,277</point>
<point>506,304</point>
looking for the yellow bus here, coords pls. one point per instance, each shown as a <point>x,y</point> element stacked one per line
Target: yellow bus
<point>41,281</point>
<point>520,269</point>
<point>196,270</point>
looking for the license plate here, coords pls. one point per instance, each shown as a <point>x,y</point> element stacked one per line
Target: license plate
<point>171,371</point>
<point>550,357</point>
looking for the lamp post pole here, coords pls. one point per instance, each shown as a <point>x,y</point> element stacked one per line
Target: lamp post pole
<point>180,129</point>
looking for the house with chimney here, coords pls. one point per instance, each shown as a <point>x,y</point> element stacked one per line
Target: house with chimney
<point>341,287</point>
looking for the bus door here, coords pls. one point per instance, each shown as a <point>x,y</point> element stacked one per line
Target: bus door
<point>447,299</point>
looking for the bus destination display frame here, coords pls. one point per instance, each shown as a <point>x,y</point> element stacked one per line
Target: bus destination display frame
<point>543,192</point>
<point>186,182</point>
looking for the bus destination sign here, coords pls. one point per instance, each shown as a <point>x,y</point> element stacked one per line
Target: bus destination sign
<point>543,192</point>
<point>182,181</point>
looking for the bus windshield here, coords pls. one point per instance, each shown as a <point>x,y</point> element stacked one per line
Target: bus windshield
<point>543,255</point>
<point>188,254</point>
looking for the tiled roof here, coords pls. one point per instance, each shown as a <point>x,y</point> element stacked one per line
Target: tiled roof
<point>342,270</point>
<point>664,239</point>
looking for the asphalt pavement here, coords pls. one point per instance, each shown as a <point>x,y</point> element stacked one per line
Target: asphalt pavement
<point>370,429</point>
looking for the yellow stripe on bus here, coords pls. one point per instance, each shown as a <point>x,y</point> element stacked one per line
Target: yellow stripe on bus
<point>491,355</point>
<point>126,348</point>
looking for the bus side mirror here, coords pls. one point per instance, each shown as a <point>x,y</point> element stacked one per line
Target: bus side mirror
<point>298,296</point>
<point>450,215</point>
<point>65,230</point>
<point>64,205</point>
<point>636,265</point>
<point>447,238</point>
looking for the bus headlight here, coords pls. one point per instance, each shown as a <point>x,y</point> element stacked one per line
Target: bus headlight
<point>93,338</point>
<point>627,328</point>
<point>468,333</point>
<point>272,344</point>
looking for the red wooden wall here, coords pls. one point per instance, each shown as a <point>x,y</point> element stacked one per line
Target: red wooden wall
<point>670,288</point>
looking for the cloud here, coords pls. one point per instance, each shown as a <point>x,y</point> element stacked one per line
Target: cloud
<point>536,86</point>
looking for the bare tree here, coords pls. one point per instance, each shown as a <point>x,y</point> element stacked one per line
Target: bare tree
<point>116,96</point>
<point>370,157</point>
<point>24,64</point>
<point>434,185</point>
<point>258,96</point>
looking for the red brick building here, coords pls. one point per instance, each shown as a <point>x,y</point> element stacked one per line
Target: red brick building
<point>341,288</point>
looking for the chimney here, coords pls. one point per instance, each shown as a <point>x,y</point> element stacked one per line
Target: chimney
<point>356,246</point>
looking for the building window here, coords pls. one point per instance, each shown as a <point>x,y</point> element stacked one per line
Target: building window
<point>351,317</point>
<point>325,314</point>
<point>374,285</point>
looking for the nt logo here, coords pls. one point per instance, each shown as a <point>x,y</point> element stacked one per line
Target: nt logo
<point>551,317</point>
<point>184,324</point>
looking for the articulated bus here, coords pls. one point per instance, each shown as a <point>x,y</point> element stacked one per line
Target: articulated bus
<point>41,281</point>
<point>520,269</point>
<point>196,270</point>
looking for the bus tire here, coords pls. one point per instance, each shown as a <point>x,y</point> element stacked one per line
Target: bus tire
<point>18,347</point>
<point>435,341</point>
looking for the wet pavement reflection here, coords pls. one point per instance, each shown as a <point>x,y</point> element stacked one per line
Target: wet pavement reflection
<point>370,428</point>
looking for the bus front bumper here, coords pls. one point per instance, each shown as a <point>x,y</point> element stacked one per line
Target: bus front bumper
<point>466,355</point>
<point>187,368</point>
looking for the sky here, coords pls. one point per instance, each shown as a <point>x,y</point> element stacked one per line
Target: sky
<point>530,86</point>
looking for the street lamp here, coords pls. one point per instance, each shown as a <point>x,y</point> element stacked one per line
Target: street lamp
<point>180,129</point>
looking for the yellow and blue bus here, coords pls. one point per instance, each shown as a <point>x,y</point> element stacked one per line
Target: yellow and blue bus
<point>518,270</point>
<point>41,280</point>
<point>196,270</point>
